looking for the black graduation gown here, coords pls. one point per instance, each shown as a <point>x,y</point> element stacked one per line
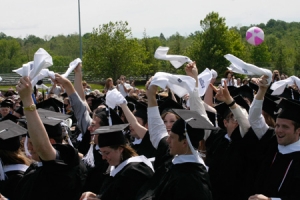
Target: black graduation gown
<point>57,179</point>
<point>145,147</point>
<point>125,184</point>
<point>176,182</point>
<point>8,186</point>
<point>279,174</point>
<point>227,164</point>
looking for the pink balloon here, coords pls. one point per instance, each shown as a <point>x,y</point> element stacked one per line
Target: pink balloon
<point>255,36</point>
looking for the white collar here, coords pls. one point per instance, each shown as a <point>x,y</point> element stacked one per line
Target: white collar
<point>114,171</point>
<point>289,148</point>
<point>15,167</point>
<point>179,159</point>
<point>227,137</point>
<point>137,141</point>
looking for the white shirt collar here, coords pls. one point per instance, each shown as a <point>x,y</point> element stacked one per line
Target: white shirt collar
<point>227,137</point>
<point>289,148</point>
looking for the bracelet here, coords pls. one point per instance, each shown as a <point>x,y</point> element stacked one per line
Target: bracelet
<point>231,104</point>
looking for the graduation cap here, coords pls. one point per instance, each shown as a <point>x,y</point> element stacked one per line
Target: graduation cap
<point>289,110</point>
<point>214,118</point>
<point>223,110</point>
<point>192,123</point>
<point>245,91</point>
<point>7,103</point>
<point>111,135</point>
<point>51,104</point>
<point>97,102</point>
<point>270,106</point>
<point>51,121</point>
<point>290,93</point>
<point>168,105</point>
<point>10,134</point>
<point>141,111</point>
<point>105,113</point>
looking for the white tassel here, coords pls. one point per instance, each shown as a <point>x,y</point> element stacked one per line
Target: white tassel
<point>26,147</point>
<point>2,175</point>
<point>88,159</point>
<point>109,117</point>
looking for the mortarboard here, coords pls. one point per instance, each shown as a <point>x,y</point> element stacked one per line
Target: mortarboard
<point>192,123</point>
<point>51,104</point>
<point>270,106</point>
<point>223,110</point>
<point>214,118</point>
<point>289,110</point>
<point>7,103</point>
<point>111,135</point>
<point>97,102</point>
<point>168,105</point>
<point>10,134</point>
<point>245,91</point>
<point>290,93</point>
<point>141,111</point>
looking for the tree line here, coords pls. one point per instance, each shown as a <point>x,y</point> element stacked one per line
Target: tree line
<point>110,49</point>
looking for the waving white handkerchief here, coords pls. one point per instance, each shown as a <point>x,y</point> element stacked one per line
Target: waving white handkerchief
<point>41,60</point>
<point>279,86</point>
<point>72,66</point>
<point>43,74</point>
<point>214,73</point>
<point>203,81</point>
<point>114,98</point>
<point>246,67</point>
<point>179,84</point>
<point>176,60</point>
<point>25,69</point>
<point>239,70</point>
<point>0,78</point>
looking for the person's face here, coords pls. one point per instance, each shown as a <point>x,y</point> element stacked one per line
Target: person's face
<point>169,120</point>
<point>89,101</point>
<point>112,156</point>
<point>66,102</point>
<point>4,111</point>
<point>95,124</point>
<point>229,75</point>
<point>176,146</point>
<point>285,133</point>
<point>230,123</point>
<point>32,151</point>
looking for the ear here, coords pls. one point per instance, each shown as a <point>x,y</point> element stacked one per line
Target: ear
<point>52,141</point>
<point>120,149</point>
<point>225,122</point>
<point>298,131</point>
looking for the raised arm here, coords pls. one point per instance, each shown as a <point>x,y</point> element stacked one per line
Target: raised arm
<point>157,128</point>
<point>36,129</point>
<point>256,119</point>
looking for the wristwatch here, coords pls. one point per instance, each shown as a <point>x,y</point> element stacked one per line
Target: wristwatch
<point>32,107</point>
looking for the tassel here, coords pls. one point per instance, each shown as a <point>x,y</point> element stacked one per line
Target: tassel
<point>69,140</point>
<point>26,147</point>
<point>2,175</point>
<point>109,117</point>
<point>88,159</point>
<point>216,120</point>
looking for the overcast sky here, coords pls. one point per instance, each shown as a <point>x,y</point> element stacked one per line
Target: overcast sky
<point>20,18</point>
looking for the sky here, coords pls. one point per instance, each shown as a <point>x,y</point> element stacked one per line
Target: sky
<point>44,18</point>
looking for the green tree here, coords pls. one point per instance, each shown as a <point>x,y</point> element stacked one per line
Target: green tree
<point>10,57</point>
<point>112,51</point>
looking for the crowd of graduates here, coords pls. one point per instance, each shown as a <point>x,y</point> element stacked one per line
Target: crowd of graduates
<point>237,141</point>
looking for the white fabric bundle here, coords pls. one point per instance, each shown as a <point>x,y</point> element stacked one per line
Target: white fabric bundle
<point>114,98</point>
<point>176,60</point>
<point>279,86</point>
<point>242,67</point>
<point>203,81</point>
<point>179,84</point>
<point>72,66</point>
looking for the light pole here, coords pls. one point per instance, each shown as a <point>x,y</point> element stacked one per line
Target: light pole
<point>80,39</point>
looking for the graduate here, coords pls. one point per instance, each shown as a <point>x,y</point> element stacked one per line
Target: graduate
<point>13,162</point>
<point>58,174</point>
<point>127,171</point>
<point>180,172</point>
<point>278,174</point>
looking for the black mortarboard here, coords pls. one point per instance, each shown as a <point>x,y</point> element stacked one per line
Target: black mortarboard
<point>103,114</point>
<point>111,135</point>
<point>223,110</point>
<point>167,106</point>
<point>195,125</point>
<point>51,121</point>
<point>270,105</point>
<point>7,103</point>
<point>245,91</point>
<point>215,118</point>
<point>289,110</point>
<point>141,111</point>
<point>10,117</point>
<point>97,102</point>
<point>10,134</point>
<point>253,86</point>
<point>290,93</point>
<point>51,104</point>
<point>64,95</point>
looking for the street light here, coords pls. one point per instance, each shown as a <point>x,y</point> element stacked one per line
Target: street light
<point>80,39</point>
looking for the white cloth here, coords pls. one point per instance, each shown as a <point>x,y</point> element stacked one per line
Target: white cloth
<point>176,60</point>
<point>289,148</point>
<point>121,88</point>
<point>214,73</point>
<point>256,119</point>
<point>248,69</point>
<point>0,78</point>
<point>72,66</point>
<point>179,84</point>
<point>279,86</point>
<point>43,74</point>
<point>233,82</point>
<point>203,81</point>
<point>114,98</point>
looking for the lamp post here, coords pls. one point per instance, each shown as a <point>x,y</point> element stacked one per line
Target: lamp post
<point>80,39</point>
